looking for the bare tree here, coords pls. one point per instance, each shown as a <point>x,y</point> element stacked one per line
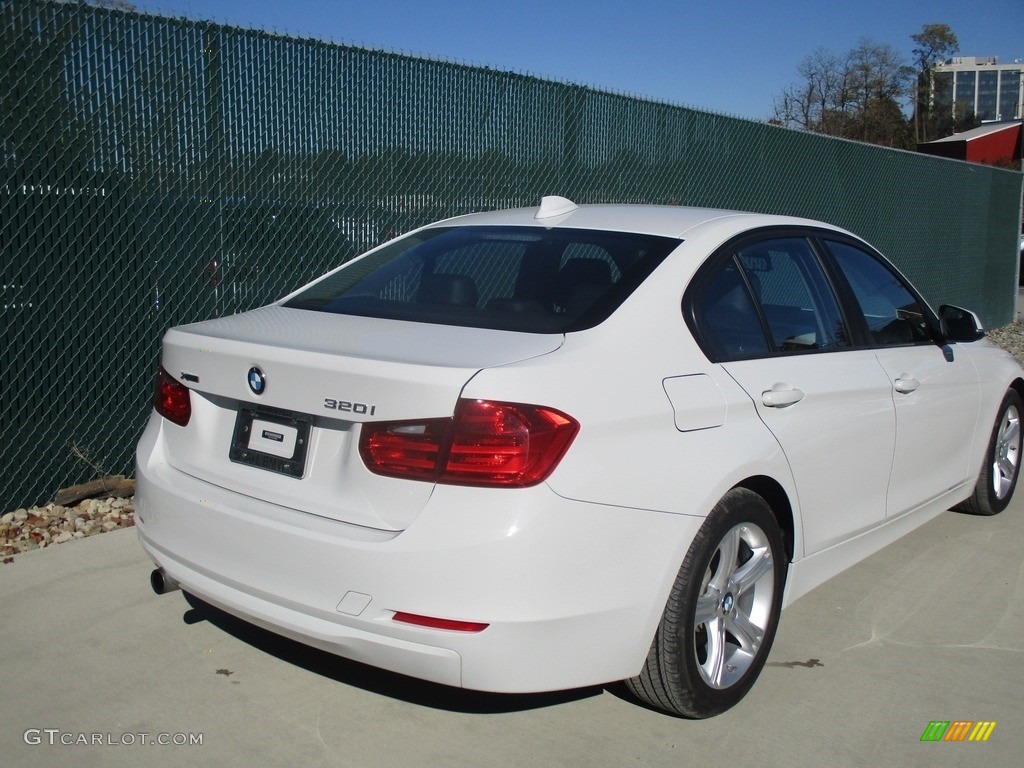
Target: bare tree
<point>934,43</point>
<point>855,96</point>
<point>117,5</point>
<point>880,81</point>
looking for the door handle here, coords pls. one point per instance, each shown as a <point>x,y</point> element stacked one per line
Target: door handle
<point>781,396</point>
<point>906,383</point>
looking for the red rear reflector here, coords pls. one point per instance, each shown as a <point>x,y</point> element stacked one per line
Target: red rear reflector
<point>484,444</point>
<point>435,623</point>
<point>172,400</point>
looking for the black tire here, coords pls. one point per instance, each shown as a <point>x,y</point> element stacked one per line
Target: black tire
<point>701,664</point>
<point>998,478</point>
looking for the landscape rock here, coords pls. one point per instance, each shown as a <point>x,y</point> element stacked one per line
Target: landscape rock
<point>25,530</point>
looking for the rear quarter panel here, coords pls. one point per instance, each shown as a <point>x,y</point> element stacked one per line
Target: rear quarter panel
<point>629,451</point>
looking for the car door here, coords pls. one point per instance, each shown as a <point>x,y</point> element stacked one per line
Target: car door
<point>765,311</point>
<point>935,390</point>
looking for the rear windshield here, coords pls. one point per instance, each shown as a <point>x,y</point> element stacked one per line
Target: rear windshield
<point>511,278</point>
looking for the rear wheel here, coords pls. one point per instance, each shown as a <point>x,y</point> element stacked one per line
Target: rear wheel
<point>721,616</point>
<point>999,474</point>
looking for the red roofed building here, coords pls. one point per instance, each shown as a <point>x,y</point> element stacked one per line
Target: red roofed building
<point>992,144</point>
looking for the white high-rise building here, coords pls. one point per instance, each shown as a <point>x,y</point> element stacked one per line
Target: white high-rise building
<point>992,90</point>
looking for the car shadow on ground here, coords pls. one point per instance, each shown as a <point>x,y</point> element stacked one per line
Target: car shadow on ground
<point>375,680</point>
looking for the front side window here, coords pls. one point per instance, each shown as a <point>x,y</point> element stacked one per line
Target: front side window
<point>893,313</point>
<point>514,278</point>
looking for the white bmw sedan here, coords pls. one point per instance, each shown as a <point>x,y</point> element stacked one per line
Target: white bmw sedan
<point>549,448</point>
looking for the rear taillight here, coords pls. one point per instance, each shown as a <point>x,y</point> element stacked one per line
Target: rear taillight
<point>404,448</point>
<point>172,399</point>
<point>485,444</point>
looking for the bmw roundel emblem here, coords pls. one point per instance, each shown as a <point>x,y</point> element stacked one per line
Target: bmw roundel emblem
<point>257,381</point>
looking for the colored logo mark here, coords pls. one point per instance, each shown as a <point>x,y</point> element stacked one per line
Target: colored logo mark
<point>257,381</point>
<point>958,730</point>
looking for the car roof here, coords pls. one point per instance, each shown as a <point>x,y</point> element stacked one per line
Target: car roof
<point>664,220</point>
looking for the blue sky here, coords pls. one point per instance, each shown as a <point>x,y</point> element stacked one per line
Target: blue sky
<point>730,57</point>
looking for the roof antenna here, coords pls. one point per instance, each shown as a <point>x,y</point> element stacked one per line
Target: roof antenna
<point>553,205</point>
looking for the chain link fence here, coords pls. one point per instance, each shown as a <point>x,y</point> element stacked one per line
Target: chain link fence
<point>159,171</point>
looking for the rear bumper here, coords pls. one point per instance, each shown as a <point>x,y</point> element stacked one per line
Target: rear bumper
<point>572,592</point>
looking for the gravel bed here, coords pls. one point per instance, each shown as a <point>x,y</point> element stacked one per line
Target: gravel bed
<point>27,529</point>
<point>1010,338</point>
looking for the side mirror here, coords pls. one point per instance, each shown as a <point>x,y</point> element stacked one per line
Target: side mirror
<point>959,324</point>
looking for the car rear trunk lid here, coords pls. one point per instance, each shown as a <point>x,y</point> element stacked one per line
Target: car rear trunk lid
<point>322,375</point>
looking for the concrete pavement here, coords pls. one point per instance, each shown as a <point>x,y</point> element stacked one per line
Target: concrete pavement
<point>929,629</point>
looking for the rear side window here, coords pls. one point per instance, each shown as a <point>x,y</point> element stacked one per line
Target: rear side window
<point>727,320</point>
<point>799,306</point>
<point>766,297</point>
<point>515,278</point>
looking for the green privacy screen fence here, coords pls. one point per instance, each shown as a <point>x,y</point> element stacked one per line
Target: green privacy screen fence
<point>159,171</point>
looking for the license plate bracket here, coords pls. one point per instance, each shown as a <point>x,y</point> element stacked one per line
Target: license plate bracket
<point>271,439</point>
